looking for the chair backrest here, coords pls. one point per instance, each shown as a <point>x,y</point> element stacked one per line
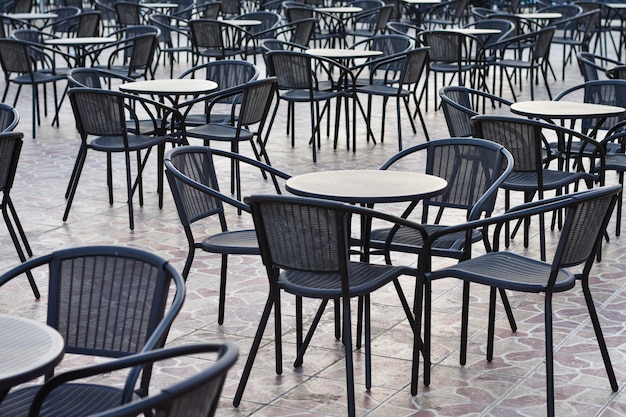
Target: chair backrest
<point>15,56</point>
<point>268,21</point>
<point>63,23</point>
<point>226,73</point>
<point>231,7</point>
<point>88,23</point>
<point>606,92</point>
<point>108,300</point>
<point>293,70</point>
<point>473,168</point>
<point>206,33</point>
<point>303,31</point>
<point>506,28</point>
<point>585,224</point>
<point>302,234</point>
<point>93,78</point>
<point>22,6</point>
<point>593,67</point>
<point>127,13</point>
<point>9,118</point>
<point>388,44</point>
<point>449,47</point>
<point>460,104</point>
<point>404,28</point>
<point>541,49</point>
<point>142,49</point>
<point>194,396</point>
<point>10,148</point>
<point>256,99</point>
<point>415,62</point>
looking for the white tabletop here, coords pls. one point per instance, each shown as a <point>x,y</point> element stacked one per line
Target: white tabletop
<point>366,186</point>
<point>422,1</point>
<point>540,15</point>
<point>474,31</point>
<point>28,349</point>
<point>170,86</point>
<point>615,5</point>
<point>564,109</point>
<point>85,40</point>
<point>342,53</point>
<point>160,5</point>
<point>340,9</point>
<point>243,22</point>
<point>31,16</point>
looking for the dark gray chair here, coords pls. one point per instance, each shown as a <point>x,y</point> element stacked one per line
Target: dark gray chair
<point>109,301</point>
<point>587,214</point>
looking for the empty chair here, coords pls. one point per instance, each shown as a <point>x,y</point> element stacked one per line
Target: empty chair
<point>445,14</point>
<point>369,22</point>
<point>461,103</point>
<point>525,139</point>
<point>170,26</point>
<point>226,73</point>
<point>211,38</point>
<point>594,67</point>
<point>409,68</point>
<point>198,394</point>
<point>270,21</point>
<point>305,249</point>
<point>108,301</point>
<point>132,56</point>
<point>10,149</point>
<point>197,189</point>
<point>18,68</point>
<point>103,114</point>
<point>586,217</point>
<point>128,13</point>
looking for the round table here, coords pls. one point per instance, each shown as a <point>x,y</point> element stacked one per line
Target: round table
<point>80,43</point>
<point>339,9</point>
<point>366,186</point>
<point>474,31</point>
<point>539,16</point>
<point>342,53</point>
<point>28,349</point>
<point>243,22</point>
<point>170,88</point>
<point>564,109</point>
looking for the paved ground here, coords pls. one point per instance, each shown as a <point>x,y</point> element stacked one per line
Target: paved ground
<point>512,385</point>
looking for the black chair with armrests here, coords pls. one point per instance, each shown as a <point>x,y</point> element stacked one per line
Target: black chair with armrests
<point>193,173</point>
<point>587,214</point>
<point>197,394</point>
<point>106,301</point>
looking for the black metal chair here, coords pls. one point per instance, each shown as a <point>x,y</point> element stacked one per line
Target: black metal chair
<point>170,25</point>
<point>132,56</point>
<point>227,73</point>
<point>594,67</point>
<point>304,78</point>
<point>250,106</point>
<point>445,14</point>
<point>195,184</point>
<point>105,114</point>
<point>10,148</point>
<point>401,79</point>
<point>198,393</point>
<point>459,55</point>
<point>305,249</point>
<point>461,103</point>
<point>575,33</point>
<point>109,301</point>
<point>270,21</point>
<point>212,38</point>
<point>586,217</point>
<point>18,68</point>
<point>532,54</point>
<point>369,22</point>
<point>526,140</point>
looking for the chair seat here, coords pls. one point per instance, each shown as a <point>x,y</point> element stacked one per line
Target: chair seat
<point>304,97</point>
<point>407,240</point>
<point>509,271</point>
<point>383,90</point>
<point>239,242</point>
<point>364,278</point>
<point>527,181</point>
<point>38,77</point>
<point>443,67</point>
<point>135,142</point>
<point>69,400</point>
<point>514,63</point>
<point>615,162</point>
<point>219,131</point>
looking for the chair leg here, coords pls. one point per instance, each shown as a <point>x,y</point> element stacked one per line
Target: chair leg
<point>129,190</point>
<point>549,355</point>
<point>599,336</point>
<point>255,347</point>
<point>71,191</point>
<point>418,346</point>
<point>492,323</point>
<point>347,336</point>
<point>222,301</point>
<point>302,345</point>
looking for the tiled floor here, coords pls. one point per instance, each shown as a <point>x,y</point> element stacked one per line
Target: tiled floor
<point>512,385</point>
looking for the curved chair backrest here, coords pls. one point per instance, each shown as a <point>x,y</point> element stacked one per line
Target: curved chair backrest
<point>88,23</point>
<point>196,396</point>
<point>473,168</point>
<point>606,92</point>
<point>593,67</point>
<point>10,148</point>
<point>92,78</point>
<point>9,118</point>
<point>226,73</point>
<point>461,103</point>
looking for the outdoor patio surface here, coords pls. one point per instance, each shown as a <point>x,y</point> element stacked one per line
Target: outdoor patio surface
<point>512,385</point>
